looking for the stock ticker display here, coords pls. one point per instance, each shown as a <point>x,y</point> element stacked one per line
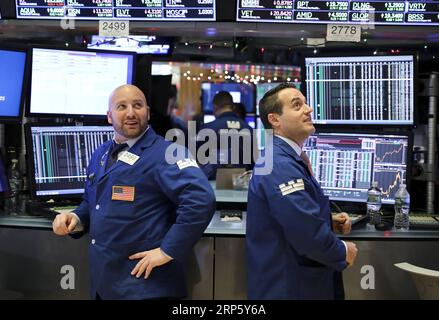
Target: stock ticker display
<point>60,157</point>
<point>361,90</point>
<point>174,10</point>
<point>346,164</point>
<point>348,11</point>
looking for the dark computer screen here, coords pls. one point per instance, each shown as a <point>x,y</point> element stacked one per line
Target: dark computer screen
<point>361,89</point>
<point>12,74</point>
<point>244,93</point>
<point>345,164</point>
<point>58,157</point>
<point>76,83</point>
<point>4,182</point>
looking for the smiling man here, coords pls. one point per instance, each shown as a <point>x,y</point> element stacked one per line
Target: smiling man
<point>292,252</point>
<point>143,214</point>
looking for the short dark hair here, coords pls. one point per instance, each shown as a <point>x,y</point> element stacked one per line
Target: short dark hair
<point>223,99</point>
<point>270,103</point>
<point>239,109</point>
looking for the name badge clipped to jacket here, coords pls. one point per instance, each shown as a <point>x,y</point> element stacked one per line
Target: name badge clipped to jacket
<point>129,158</point>
<point>122,193</point>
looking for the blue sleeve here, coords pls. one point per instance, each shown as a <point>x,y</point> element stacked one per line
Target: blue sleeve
<point>302,217</point>
<point>191,192</point>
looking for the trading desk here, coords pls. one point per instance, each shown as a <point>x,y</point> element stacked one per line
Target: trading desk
<point>216,268</point>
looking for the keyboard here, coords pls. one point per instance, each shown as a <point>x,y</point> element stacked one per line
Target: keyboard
<point>424,222</point>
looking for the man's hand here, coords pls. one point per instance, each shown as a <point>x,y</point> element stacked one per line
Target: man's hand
<point>148,261</point>
<point>351,253</point>
<point>64,223</point>
<point>341,223</point>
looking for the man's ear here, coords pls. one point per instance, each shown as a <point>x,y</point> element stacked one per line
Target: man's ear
<point>273,118</point>
<point>109,117</point>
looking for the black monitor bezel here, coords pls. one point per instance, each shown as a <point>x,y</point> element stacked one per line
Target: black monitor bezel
<point>28,112</point>
<point>30,161</point>
<point>369,53</point>
<point>404,132</point>
<point>25,85</point>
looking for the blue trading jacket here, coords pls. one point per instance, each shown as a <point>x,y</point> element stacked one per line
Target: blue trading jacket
<point>228,120</point>
<point>292,252</point>
<point>171,209</point>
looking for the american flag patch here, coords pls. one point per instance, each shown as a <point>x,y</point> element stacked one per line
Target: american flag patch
<point>186,163</point>
<point>291,186</point>
<point>123,193</point>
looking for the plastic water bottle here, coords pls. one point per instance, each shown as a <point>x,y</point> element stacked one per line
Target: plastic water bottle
<point>374,204</point>
<point>15,185</point>
<point>402,208</point>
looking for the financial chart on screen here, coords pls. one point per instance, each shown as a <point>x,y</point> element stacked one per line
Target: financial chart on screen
<point>361,89</point>
<point>60,155</point>
<point>165,10</point>
<point>345,164</point>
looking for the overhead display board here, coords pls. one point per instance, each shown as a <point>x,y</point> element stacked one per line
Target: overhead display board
<point>348,11</point>
<point>155,10</point>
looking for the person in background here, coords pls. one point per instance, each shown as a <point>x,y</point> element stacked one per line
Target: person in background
<point>142,213</point>
<point>226,120</point>
<point>292,251</point>
<point>239,109</point>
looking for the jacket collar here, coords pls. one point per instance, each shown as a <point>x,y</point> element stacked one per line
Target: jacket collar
<point>286,147</point>
<point>227,114</point>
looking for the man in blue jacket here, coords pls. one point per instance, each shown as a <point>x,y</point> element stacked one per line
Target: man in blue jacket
<point>229,127</point>
<point>292,252</point>
<point>143,213</point>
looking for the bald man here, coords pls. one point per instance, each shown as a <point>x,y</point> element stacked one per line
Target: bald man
<point>143,214</point>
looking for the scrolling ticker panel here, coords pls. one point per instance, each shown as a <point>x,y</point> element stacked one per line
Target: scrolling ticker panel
<point>358,12</point>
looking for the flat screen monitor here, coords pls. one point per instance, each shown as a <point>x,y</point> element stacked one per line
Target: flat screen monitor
<point>4,181</point>
<point>12,75</point>
<point>262,88</point>
<point>58,157</point>
<point>154,10</point>
<point>244,93</point>
<point>139,44</point>
<point>371,90</point>
<point>345,164</point>
<point>75,83</point>
<point>208,118</point>
<point>251,121</point>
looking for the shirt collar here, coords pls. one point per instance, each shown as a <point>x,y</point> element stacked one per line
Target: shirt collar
<point>293,145</point>
<point>131,142</point>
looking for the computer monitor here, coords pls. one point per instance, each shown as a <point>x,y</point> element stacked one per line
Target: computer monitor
<point>58,157</point>
<point>345,164</point>
<point>251,121</point>
<point>262,88</point>
<point>208,118</point>
<point>241,92</point>
<point>140,44</point>
<point>4,181</point>
<point>12,78</point>
<point>372,90</point>
<point>76,83</point>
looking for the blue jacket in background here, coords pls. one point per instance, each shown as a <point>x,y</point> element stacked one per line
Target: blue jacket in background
<point>173,204</point>
<point>292,252</point>
<point>227,120</point>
